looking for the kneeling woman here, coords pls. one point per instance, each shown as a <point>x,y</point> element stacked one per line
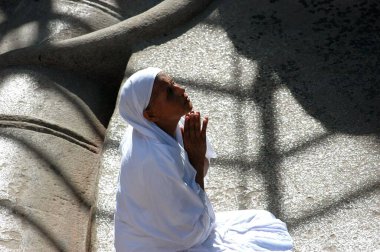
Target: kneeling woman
<point>161,202</point>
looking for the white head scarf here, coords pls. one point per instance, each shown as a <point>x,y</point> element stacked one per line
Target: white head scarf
<point>134,98</point>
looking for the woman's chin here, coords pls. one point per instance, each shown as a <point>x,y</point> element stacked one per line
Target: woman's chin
<point>189,107</point>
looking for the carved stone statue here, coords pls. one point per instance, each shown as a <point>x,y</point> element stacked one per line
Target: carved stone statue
<point>61,65</point>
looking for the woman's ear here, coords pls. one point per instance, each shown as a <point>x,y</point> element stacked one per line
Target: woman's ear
<point>149,115</point>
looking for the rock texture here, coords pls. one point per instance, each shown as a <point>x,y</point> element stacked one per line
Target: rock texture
<point>51,133</point>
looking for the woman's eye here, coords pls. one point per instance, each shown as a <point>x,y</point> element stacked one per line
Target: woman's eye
<point>170,90</point>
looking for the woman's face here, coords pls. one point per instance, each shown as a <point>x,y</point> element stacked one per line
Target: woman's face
<point>168,100</point>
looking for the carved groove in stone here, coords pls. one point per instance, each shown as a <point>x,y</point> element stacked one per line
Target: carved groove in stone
<point>102,6</point>
<point>23,122</point>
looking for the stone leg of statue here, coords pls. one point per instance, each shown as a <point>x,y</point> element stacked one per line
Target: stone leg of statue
<point>61,65</point>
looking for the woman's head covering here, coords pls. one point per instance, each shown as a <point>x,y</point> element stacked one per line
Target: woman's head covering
<point>134,98</point>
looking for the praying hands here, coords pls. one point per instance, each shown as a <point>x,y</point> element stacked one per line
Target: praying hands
<point>194,140</point>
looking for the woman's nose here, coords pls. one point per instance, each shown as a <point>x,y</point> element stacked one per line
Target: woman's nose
<point>180,90</point>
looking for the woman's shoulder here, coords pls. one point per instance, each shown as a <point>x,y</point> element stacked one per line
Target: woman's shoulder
<point>152,155</point>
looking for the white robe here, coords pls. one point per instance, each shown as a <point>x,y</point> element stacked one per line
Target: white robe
<point>246,230</point>
<point>160,207</point>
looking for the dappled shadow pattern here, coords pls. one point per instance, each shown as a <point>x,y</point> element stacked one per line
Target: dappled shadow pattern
<point>52,23</point>
<point>29,213</point>
<point>325,52</point>
<point>19,212</point>
<point>73,90</point>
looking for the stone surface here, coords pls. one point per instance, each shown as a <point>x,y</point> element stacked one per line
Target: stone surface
<point>52,126</point>
<point>102,237</point>
<point>291,89</point>
<point>51,143</point>
<point>47,192</point>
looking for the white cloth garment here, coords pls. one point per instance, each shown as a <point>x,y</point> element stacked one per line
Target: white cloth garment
<point>246,230</point>
<point>160,207</point>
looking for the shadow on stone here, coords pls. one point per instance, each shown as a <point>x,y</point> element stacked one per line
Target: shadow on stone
<point>130,8</point>
<point>54,167</point>
<point>20,213</point>
<point>97,95</point>
<point>81,199</point>
<point>339,203</point>
<point>325,52</point>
